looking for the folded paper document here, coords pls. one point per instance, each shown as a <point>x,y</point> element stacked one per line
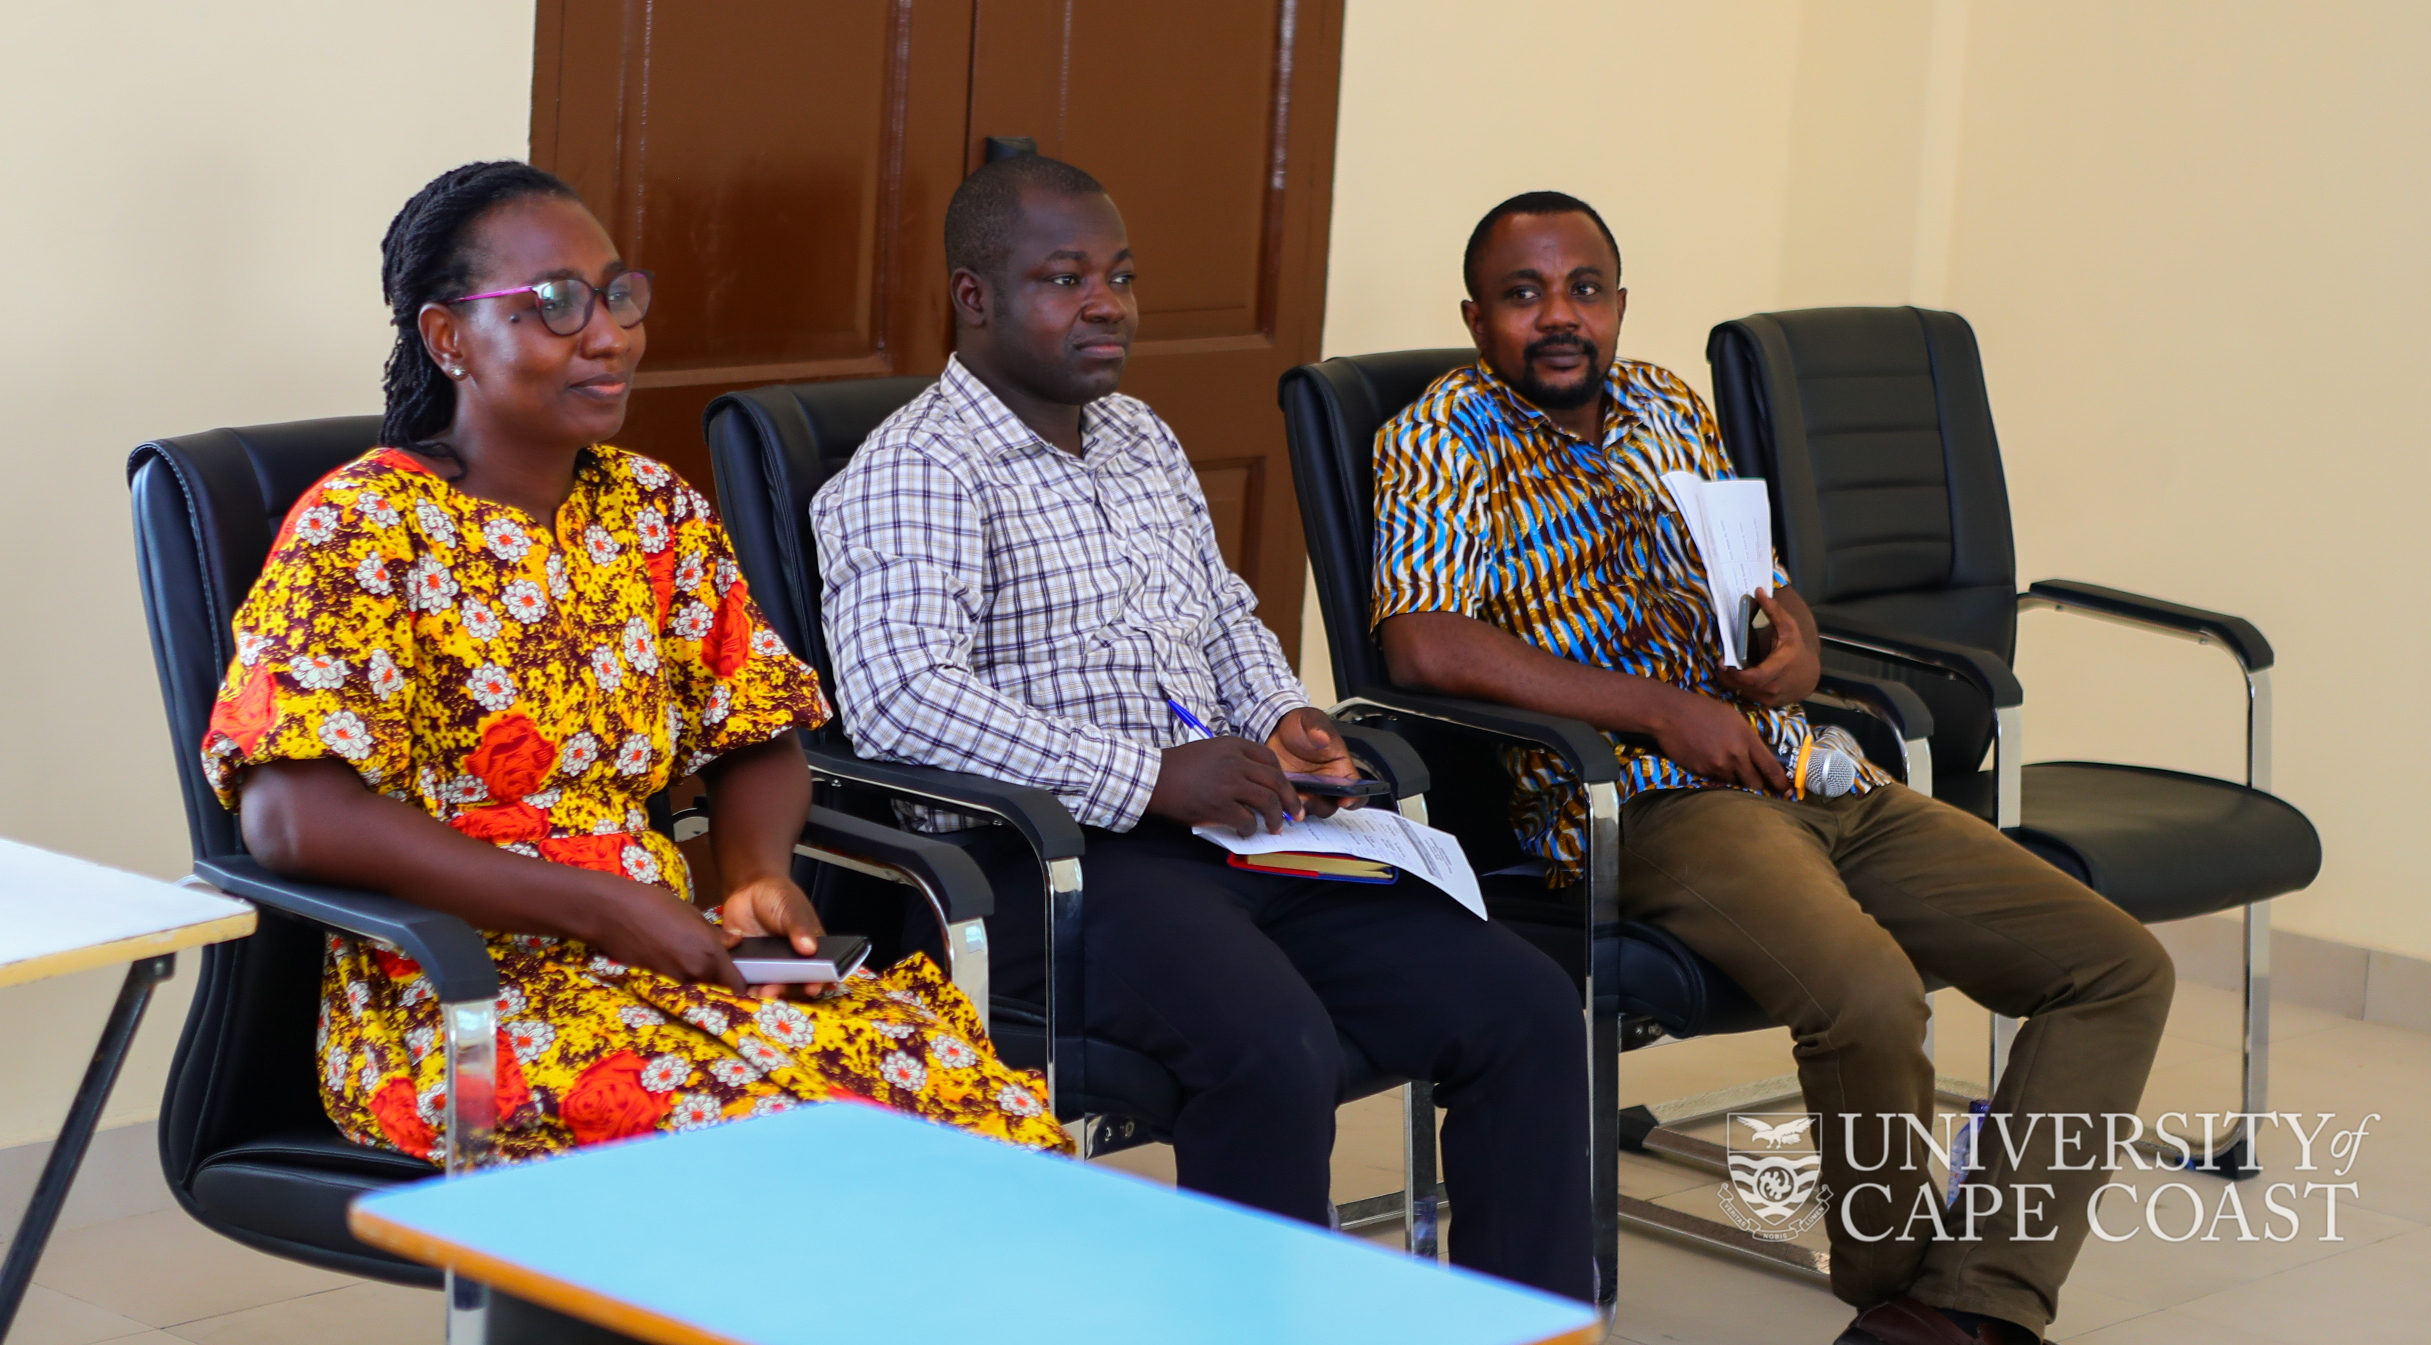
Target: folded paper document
<point>1732,524</point>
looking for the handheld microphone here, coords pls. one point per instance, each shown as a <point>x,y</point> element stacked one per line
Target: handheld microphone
<point>1825,766</point>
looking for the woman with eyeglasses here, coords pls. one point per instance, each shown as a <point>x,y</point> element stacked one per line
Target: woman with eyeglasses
<point>472,656</point>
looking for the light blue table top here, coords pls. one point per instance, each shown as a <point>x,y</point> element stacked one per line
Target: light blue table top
<point>847,1223</point>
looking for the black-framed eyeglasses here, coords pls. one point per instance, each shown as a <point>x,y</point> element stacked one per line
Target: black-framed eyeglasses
<point>566,303</point>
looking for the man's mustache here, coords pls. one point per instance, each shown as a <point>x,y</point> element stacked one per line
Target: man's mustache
<point>1543,346</point>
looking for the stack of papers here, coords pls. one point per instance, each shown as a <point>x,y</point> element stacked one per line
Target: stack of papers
<point>1376,834</point>
<point>1732,524</point>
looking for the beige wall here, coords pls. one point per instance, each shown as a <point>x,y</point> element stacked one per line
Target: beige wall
<point>191,227</point>
<point>2191,240</point>
<point>2190,237</point>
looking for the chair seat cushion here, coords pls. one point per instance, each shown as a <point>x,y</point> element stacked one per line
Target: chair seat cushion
<point>1658,976</point>
<point>1125,1082</point>
<point>2165,845</point>
<point>287,1192</point>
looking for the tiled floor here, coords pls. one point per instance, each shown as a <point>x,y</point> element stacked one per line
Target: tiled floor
<point>160,1278</point>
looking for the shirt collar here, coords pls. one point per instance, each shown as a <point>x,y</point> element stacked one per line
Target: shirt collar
<point>1003,434</point>
<point>1519,410</point>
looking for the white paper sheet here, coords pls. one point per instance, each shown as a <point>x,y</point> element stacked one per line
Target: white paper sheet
<point>1379,834</point>
<point>1732,525</point>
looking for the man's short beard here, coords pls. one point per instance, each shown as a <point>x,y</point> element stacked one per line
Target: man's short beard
<point>1548,398</point>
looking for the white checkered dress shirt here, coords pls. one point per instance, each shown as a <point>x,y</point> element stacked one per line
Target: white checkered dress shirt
<point>999,606</point>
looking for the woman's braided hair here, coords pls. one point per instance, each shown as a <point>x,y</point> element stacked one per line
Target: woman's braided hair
<point>427,257</point>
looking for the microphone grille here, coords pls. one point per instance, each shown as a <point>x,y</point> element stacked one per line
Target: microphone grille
<point>1830,772</point>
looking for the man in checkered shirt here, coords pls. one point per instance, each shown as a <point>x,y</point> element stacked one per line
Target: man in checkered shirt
<point>1020,573</point>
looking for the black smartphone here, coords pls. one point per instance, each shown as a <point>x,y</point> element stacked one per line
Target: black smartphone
<point>771,960</point>
<point>1755,633</point>
<point>1335,787</point>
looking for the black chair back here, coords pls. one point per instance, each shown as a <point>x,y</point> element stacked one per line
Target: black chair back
<point>1333,410</point>
<point>772,448</point>
<point>242,1118</point>
<point>1890,509</point>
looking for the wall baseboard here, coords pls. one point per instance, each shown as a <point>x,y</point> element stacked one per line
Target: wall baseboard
<point>120,1177</point>
<point>2318,973</point>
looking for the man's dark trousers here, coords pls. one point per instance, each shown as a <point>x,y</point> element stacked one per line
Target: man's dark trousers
<point>1237,982</point>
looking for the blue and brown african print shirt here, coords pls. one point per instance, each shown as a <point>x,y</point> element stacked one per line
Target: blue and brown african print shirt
<point>1485,508</point>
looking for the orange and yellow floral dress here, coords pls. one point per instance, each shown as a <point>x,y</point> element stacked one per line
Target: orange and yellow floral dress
<point>532,686</point>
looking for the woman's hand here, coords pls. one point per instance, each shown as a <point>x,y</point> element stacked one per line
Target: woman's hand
<point>645,926</point>
<point>770,906</point>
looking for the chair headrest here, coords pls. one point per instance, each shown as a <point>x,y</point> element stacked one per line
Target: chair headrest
<point>770,449</point>
<point>1331,412</point>
<point>206,508</point>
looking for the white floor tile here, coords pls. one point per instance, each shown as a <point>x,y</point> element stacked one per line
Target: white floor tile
<point>162,1269</point>
<point>359,1314</point>
<point>48,1317</point>
<point>2373,1295</point>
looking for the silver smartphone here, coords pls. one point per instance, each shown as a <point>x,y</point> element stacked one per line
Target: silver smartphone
<point>771,960</point>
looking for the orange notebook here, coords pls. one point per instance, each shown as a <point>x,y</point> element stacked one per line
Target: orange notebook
<point>1304,864</point>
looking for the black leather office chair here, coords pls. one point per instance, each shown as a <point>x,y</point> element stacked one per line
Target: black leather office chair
<point>1639,982</point>
<point>772,448</point>
<point>244,1142</point>
<point>1873,427</point>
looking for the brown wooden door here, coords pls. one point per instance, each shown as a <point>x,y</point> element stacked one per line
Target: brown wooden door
<point>1212,124</point>
<point>784,166</point>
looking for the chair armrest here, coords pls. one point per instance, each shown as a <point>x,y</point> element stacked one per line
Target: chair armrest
<point>1585,751</point>
<point>1897,705</point>
<point>451,952</point>
<point>1039,816</point>
<point>942,868</point>
<point>1980,667</point>
<point>1894,703</point>
<point>2234,633</point>
<point>1389,757</point>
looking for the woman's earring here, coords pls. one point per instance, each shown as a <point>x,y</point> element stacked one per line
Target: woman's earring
<point>455,372</point>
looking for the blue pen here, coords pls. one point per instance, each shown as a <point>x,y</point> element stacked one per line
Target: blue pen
<point>1182,712</point>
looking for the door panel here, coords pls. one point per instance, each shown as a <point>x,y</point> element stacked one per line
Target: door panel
<point>1212,126</point>
<point>783,167</point>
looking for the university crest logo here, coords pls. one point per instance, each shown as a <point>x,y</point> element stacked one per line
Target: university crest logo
<point>1775,1190</point>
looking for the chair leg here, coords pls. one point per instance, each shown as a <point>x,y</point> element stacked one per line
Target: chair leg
<point>472,1110</point>
<point>1604,1038</point>
<point>468,1311</point>
<point>2239,1160</point>
<point>1420,1189</point>
<point>2004,1035</point>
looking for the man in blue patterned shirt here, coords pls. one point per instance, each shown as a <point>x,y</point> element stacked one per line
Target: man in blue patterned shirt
<point>1528,552</point>
<point>1020,574</point>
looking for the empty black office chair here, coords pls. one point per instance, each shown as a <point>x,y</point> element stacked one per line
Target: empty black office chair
<point>772,448</point>
<point>1640,983</point>
<point>244,1142</point>
<point>1873,427</point>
